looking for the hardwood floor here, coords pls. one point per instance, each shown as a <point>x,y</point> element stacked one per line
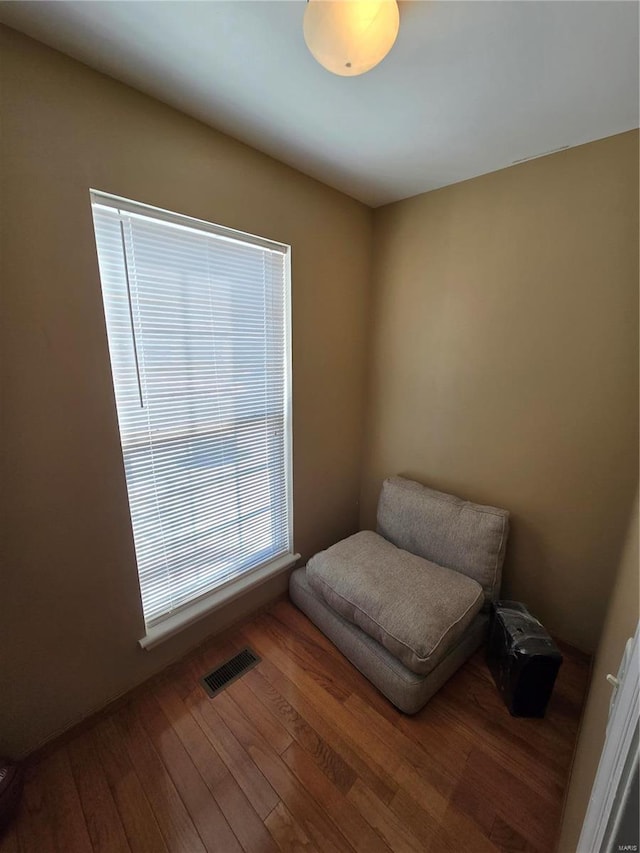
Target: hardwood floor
<point>303,754</point>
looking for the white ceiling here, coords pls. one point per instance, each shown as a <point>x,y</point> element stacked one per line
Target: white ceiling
<point>468,88</point>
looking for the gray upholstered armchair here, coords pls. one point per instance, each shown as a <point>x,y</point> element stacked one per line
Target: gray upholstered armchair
<point>408,605</point>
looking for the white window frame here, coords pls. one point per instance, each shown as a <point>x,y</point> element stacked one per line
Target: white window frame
<point>165,627</point>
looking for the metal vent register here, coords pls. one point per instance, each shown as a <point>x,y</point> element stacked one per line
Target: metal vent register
<point>228,671</point>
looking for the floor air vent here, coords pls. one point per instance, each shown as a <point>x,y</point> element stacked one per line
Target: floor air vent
<point>227,672</point>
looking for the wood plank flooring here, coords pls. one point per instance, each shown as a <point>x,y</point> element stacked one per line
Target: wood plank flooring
<point>303,754</point>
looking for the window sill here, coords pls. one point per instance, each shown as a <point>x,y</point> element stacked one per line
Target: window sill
<point>204,606</point>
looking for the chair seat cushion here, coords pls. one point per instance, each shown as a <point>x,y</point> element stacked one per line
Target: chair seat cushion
<point>414,608</point>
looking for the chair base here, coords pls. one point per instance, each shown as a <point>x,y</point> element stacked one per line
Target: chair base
<point>402,687</point>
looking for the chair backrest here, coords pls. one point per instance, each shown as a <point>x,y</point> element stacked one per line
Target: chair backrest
<point>446,530</point>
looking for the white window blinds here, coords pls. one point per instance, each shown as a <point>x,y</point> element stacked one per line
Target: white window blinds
<point>198,326</point>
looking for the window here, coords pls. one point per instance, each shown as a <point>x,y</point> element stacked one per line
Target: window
<point>198,326</point>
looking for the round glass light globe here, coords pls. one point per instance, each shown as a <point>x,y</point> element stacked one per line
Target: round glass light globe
<point>349,37</point>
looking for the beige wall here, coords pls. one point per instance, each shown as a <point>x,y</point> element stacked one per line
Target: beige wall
<point>69,606</point>
<point>504,364</point>
<point>620,624</point>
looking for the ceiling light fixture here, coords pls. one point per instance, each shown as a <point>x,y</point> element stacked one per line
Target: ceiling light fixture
<point>349,37</point>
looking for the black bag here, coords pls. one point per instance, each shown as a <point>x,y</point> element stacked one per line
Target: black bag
<point>10,790</point>
<point>523,659</point>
